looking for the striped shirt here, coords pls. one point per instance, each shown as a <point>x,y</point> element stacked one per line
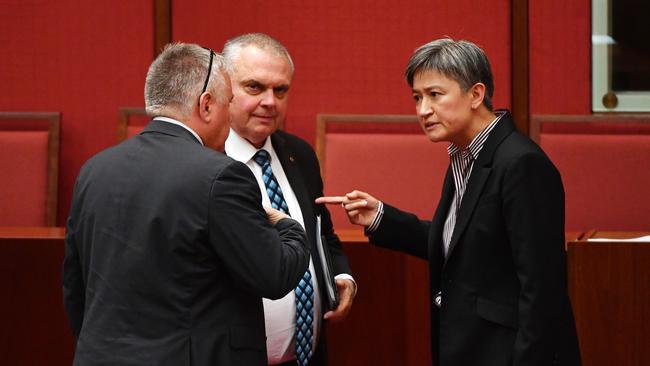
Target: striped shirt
<point>462,162</point>
<point>461,165</point>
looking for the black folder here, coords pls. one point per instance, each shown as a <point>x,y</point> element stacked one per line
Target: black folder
<point>331,292</point>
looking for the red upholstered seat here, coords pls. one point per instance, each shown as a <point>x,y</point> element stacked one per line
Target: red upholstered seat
<point>404,168</point>
<point>605,167</point>
<point>133,130</point>
<point>131,122</point>
<point>389,157</point>
<point>29,165</point>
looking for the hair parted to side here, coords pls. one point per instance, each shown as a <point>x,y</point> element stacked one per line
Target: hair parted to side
<point>233,46</point>
<point>176,77</point>
<point>462,61</point>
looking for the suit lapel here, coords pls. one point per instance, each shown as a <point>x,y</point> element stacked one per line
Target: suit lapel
<point>472,193</point>
<point>438,222</point>
<point>288,160</point>
<point>479,175</point>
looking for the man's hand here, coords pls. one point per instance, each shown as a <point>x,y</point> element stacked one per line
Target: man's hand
<point>347,290</point>
<point>360,207</point>
<point>275,215</point>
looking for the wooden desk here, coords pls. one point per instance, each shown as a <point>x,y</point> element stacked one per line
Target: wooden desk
<point>41,234</point>
<point>573,235</point>
<point>34,328</point>
<point>609,284</point>
<point>389,322</point>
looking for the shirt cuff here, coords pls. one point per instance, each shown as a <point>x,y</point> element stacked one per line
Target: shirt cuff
<point>345,276</point>
<point>377,220</point>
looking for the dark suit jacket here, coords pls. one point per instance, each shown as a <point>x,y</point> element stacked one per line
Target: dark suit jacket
<point>301,166</point>
<point>169,253</point>
<point>503,283</point>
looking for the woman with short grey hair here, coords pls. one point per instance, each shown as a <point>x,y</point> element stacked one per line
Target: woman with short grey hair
<point>495,245</point>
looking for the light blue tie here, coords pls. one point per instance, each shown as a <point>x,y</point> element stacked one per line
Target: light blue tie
<point>305,289</point>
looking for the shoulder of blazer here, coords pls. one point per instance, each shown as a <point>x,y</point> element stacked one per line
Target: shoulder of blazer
<point>287,140</point>
<point>189,151</point>
<point>295,149</point>
<point>503,129</point>
<point>168,129</point>
<point>507,145</point>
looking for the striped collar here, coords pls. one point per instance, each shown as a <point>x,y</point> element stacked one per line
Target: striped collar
<point>474,147</point>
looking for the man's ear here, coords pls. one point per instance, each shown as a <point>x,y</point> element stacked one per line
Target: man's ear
<point>205,104</point>
<point>477,92</point>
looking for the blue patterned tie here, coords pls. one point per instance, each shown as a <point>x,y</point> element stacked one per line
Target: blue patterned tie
<point>304,290</point>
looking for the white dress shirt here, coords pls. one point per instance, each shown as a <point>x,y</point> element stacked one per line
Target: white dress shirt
<point>280,314</point>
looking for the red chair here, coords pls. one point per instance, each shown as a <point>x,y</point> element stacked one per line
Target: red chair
<point>29,160</point>
<point>131,122</point>
<point>389,157</point>
<point>605,165</point>
<point>385,155</point>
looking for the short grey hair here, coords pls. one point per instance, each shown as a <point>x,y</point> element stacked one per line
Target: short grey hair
<point>462,61</point>
<point>233,47</point>
<point>176,77</point>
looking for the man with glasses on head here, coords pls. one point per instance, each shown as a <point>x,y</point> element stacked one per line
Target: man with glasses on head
<point>168,249</point>
<point>288,174</point>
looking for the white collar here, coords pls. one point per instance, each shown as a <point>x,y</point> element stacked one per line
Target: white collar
<point>178,123</point>
<point>241,150</point>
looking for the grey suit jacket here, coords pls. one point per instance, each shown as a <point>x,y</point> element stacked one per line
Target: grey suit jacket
<point>169,253</point>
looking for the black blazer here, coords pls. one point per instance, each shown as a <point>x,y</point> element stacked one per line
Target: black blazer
<point>301,166</point>
<point>169,253</point>
<point>504,282</point>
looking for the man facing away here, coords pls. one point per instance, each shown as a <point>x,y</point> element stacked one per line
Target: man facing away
<point>288,175</point>
<point>168,250</point>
